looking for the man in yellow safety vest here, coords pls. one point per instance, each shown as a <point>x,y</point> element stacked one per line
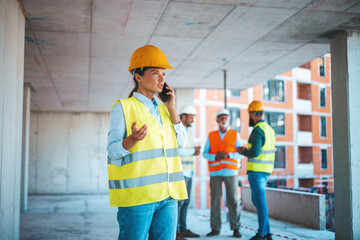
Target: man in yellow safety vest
<point>261,157</point>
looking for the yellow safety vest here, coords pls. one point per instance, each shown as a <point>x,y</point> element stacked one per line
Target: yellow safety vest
<point>152,171</point>
<point>265,161</point>
<point>188,161</point>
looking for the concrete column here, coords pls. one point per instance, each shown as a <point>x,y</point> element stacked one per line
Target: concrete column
<point>345,62</point>
<point>25,147</point>
<point>184,96</point>
<point>12,30</point>
<point>203,162</point>
<point>295,130</point>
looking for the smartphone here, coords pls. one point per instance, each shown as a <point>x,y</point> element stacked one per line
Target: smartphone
<point>164,97</point>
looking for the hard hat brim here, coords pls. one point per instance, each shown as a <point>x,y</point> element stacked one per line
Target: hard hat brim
<point>222,114</point>
<point>166,67</point>
<point>251,110</point>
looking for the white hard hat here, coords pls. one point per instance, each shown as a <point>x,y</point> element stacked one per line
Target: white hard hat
<point>223,111</point>
<point>187,110</point>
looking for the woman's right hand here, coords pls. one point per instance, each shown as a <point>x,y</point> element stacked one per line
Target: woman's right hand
<point>138,134</point>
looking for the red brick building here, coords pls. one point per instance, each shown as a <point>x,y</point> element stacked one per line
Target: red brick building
<point>298,106</point>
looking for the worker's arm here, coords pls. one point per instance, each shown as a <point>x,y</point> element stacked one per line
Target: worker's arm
<point>117,133</point>
<point>257,140</point>
<point>236,155</point>
<point>186,151</point>
<point>180,134</point>
<point>206,154</point>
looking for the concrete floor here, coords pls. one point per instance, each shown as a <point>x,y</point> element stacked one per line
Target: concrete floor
<point>90,217</point>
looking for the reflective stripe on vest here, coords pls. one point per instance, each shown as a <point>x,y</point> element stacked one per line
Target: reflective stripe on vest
<point>144,155</point>
<point>217,163</point>
<point>260,161</point>
<point>265,161</point>
<point>267,152</point>
<point>214,164</point>
<point>187,163</point>
<point>146,180</point>
<point>152,170</point>
<point>227,144</point>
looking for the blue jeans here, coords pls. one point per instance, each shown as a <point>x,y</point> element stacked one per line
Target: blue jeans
<point>257,182</point>
<point>157,219</point>
<point>183,206</point>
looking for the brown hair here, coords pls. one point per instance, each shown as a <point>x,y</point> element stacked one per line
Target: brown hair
<point>141,72</point>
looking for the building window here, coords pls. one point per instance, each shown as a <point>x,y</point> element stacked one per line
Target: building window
<point>323,126</point>
<point>306,183</point>
<point>322,67</point>
<point>276,183</point>
<point>280,157</point>
<point>273,90</point>
<point>233,93</point>
<point>322,97</point>
<point>323,159</point>
<point>235,122</point>
<point>276,121</point>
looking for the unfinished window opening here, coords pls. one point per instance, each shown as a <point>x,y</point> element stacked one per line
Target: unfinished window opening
<point>322,67</point>
<point>305,155</point>
<point>276,121</point>
<point>322,97</point>
<point>235,122</point>
<point>273,90</point>
<point>233,93</point>
<point>323,159</point>
<point>323,127</point>
<point>280,161</point>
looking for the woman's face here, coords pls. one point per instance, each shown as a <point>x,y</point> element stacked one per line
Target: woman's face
<point>153,80</point>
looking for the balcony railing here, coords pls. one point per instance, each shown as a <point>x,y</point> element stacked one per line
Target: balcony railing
<point>304,138</point>
<point>303,106</point>
<point>302,75</point>
<point>305,170</point>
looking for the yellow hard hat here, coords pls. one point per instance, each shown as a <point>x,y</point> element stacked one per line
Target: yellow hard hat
<point>255,106</point>
<point>148,56</point>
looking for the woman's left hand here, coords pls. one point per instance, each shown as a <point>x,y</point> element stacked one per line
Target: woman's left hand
<point>170,103</point>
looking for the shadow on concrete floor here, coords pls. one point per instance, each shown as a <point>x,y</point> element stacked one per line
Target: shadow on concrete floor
<point>85,217</point>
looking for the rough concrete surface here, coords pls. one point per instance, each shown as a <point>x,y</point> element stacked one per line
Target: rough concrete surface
<point>306,209</point>
<point>77,52</point>
<point>90,217</point>
<point>76,144</point>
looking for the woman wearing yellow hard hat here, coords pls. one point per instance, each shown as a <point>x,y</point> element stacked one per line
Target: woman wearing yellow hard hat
<point>144,168</point>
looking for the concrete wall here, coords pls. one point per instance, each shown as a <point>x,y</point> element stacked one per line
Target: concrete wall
<point>12,27</point>
<point>68,153</point>
<point>306,209</point>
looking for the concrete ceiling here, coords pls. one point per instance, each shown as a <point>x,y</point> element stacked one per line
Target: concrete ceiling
<point>77,51</point>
